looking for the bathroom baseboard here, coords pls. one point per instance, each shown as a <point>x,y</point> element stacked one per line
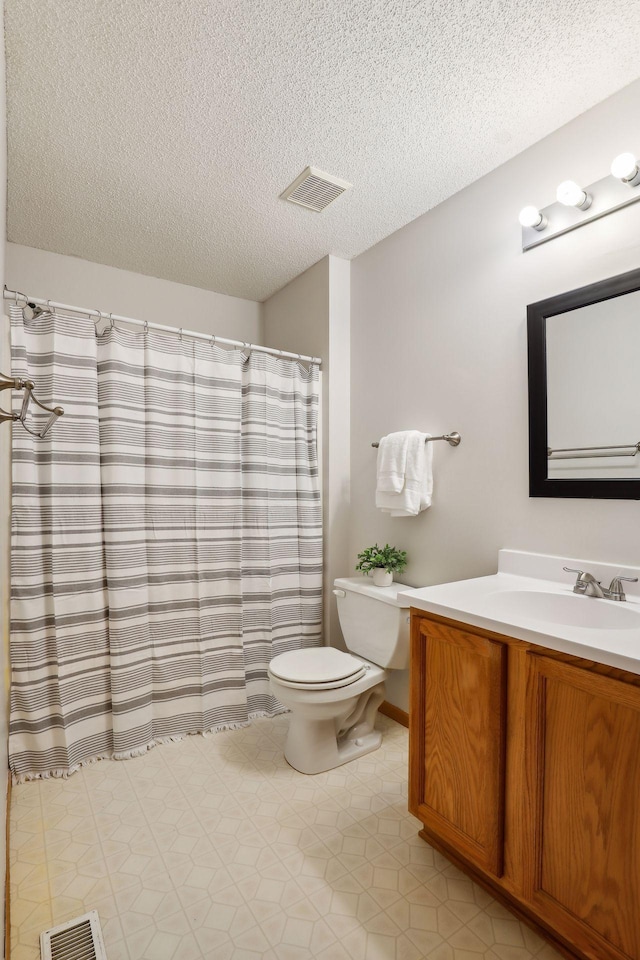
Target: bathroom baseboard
<point>390,710</point>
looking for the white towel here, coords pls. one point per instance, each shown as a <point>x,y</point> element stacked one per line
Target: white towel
<point>392,462</point>
<point>417,489</point>
<point>425,487</point>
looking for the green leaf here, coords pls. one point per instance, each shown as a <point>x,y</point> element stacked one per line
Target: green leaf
<point>387,557</point>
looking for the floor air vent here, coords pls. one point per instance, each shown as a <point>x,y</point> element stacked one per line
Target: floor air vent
<point>78,939</point>
<point>315,189</point>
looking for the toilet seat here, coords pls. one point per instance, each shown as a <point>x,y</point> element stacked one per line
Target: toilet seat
<point>333,697</point>
<point>317,668</point>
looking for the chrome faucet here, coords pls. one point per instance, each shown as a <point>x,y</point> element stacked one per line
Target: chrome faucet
<point>588,586</point>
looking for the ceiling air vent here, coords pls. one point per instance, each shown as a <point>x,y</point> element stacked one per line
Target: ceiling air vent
<point>78,939</point>
<point>315,189</point>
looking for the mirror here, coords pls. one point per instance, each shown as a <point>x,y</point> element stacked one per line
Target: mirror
<point>584,391</point>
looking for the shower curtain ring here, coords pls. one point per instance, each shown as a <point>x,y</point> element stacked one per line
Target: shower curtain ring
<point>181,333</point>
<point>213,340</point>
<point>111,321</point>
<point>146,327</point>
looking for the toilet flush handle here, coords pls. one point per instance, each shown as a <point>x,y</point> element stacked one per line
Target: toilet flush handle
<point>339,593</point>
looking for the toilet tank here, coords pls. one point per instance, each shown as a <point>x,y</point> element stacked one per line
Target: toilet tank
<point>375,624</point>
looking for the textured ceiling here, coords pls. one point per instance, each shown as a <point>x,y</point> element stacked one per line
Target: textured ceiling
<point>157,135</point>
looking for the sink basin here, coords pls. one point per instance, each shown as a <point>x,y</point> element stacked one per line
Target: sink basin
<point>529,599</point>
<point>571,610</point>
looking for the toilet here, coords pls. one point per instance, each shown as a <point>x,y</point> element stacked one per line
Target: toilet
<point>334,696</point>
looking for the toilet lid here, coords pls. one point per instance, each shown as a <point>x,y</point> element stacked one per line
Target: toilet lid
<point>317,666</point>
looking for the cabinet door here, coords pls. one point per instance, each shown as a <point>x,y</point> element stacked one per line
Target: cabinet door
<point>584,780</point>
<point>458,694</point>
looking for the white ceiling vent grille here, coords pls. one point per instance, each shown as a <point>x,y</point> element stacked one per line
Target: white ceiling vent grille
<point>78,939</point>
<point>315,189</point>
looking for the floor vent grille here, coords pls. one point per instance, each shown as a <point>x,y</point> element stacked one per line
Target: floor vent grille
<point>78,939</point>
<point>315,189</point>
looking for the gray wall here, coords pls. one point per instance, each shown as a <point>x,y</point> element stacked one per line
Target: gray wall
<point>439,343</point>
<point>311,316</point>
<point>81,283</point>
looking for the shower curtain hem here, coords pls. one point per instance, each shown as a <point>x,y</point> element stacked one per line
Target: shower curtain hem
<point>65,773</point>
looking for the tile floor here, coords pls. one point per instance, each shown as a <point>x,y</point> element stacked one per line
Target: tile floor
<point>215,848</point>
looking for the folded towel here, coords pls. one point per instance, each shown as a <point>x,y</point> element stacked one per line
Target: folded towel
<point>392,462</point>
<point>426,486</point>
<point>417,489</point>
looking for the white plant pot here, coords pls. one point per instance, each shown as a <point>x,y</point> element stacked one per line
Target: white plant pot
<point>382,577</point>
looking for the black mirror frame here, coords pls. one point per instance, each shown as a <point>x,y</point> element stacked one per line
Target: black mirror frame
<point>537,313</point>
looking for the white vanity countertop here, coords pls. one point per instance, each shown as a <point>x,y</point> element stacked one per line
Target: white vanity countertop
<point>531,598</point>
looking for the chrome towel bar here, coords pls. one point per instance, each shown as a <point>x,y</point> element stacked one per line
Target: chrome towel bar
<point>452,438</point>
<point>17,383</point>
<point>574,453</point>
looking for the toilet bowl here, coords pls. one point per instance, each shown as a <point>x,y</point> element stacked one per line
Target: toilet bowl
<point>334,696</point>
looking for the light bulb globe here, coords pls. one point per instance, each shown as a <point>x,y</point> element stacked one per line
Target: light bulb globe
<point>625,167</point>
<point>571,194</point>
<point>531,217</point>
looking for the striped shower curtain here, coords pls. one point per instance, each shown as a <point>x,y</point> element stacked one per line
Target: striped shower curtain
<point>166,540</point>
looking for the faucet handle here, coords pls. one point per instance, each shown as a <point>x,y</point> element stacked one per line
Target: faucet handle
<point>616,590</point>
<point>580,585</point>
<point>583,580</point>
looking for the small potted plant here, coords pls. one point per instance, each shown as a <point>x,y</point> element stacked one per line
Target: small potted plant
<point>383,562</point>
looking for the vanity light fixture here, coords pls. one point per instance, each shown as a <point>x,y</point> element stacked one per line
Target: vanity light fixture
<point>625,168</point>
<point>572,195</point>
<point>576,205</point>
<point>531,217</point>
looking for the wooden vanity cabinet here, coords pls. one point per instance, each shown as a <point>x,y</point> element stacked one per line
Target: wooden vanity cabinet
<point>458,750</point>
<point>525,770</point>
<point>584,756</point>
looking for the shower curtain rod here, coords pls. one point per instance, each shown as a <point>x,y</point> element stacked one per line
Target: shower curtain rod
<point>113,317</point>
